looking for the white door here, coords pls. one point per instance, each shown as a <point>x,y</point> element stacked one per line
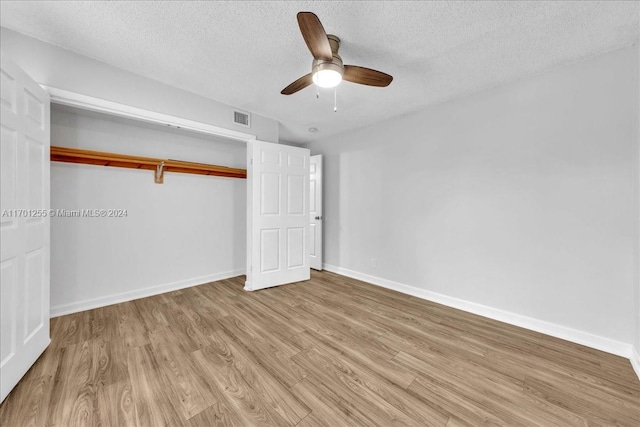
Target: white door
<point>277,215</point>
<point>24,225</point>
<point>315,212</point>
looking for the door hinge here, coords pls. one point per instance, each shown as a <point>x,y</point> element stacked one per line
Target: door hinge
<point>251,161</point>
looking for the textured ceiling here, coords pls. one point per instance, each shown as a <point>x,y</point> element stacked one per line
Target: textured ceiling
<point>244,53</point>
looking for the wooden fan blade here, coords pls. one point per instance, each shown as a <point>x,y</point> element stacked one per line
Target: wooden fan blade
<point>366,76</point>
<point>315,36</point>
<point>299,84</point>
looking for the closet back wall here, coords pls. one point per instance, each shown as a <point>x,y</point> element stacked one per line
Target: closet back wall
<point>187,231</point>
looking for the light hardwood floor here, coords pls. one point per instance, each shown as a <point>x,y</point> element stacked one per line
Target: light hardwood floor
<point>333,351</point>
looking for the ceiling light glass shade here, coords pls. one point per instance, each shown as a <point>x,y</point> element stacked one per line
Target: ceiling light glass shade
<point>327,78</point>
<point>327,74</point>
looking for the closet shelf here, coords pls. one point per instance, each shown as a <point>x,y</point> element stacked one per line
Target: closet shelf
<point>159,166</point>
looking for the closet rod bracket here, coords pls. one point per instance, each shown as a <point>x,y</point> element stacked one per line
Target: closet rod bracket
<point>158,177</point>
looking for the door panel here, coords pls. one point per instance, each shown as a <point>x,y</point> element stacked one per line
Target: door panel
<point>270,241</point>
<point>296,247</point>
<point>296,194</point>
<point>24,228</point>
<point>277,212</point>
<point>315,212</point>
<point>8,304</point>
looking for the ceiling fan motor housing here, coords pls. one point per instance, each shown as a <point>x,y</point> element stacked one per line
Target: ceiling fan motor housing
<point>336,62</point>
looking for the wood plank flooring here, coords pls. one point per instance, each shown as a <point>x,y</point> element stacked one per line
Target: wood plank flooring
<point>329,352</point>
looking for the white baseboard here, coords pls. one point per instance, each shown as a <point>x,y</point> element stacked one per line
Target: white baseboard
<point>579,337</point>
<point>635,360</point>
<point>88,304</point>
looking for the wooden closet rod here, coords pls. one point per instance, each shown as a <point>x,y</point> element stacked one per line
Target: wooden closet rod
<point>159,166</point>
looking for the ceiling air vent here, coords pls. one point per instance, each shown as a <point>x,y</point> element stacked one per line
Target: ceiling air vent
<point>241,118</point>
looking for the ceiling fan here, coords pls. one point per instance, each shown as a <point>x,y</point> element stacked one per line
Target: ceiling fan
<point>327,69</point>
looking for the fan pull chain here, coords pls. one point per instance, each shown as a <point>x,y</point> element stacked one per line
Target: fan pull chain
<point>317,92</point>
<point>335,100</point>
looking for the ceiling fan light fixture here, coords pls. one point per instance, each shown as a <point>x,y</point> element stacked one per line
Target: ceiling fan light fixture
<point>327,68</point>
<point>327,75</point>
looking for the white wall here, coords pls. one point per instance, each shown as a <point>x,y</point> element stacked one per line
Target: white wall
<point>187,231</point>
<point>63,69</point>
<point>517,202</point>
